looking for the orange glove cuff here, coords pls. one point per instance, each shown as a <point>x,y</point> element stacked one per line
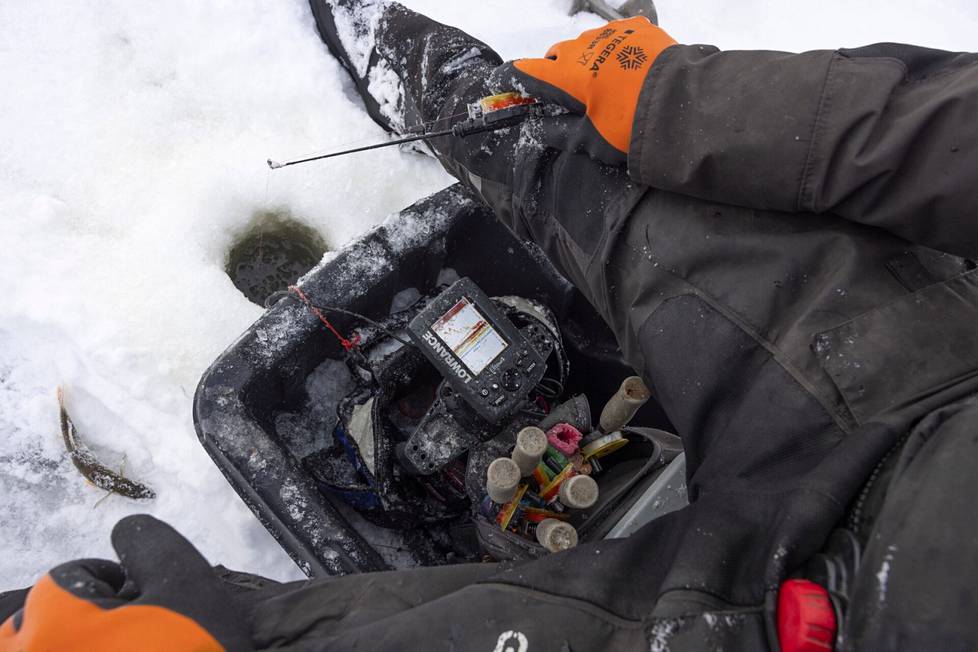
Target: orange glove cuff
<point>55,619</point>
<point>604,69</point>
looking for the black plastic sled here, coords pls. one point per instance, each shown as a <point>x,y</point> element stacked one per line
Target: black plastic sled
<point>278,410</point>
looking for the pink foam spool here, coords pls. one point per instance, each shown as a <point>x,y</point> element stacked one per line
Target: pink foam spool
<point>565,438</point>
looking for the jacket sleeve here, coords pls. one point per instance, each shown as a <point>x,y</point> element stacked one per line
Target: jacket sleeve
<point>884,135</point>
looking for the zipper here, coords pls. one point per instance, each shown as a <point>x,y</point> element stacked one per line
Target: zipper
<point>854,521</point>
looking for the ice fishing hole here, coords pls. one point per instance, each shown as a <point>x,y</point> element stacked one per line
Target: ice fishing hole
<point>272,254</point>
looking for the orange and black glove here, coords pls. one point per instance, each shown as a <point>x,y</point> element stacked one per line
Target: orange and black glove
<point>162,595</point>
<point>598,78</point>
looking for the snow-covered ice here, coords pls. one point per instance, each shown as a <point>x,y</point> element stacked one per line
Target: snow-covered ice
<point>133,136</point>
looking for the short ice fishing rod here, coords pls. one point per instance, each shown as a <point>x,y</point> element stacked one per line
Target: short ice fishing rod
<point>488,114</point>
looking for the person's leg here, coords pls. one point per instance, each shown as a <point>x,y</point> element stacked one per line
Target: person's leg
<point>411,70</point>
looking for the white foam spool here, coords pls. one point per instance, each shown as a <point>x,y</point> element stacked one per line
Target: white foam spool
<point>579,492</point>
<point>556,535</point>
<point>502,478</point>
<point>621,407</point>
<point>531,444</point>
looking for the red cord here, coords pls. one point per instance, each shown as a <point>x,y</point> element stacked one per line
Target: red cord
<point>345,343</point>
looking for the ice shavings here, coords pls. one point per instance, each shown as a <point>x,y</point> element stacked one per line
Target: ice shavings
<point>531,139</point>
<point>234,431</point>
<point>356,25</point>
<point>779,558</point>
<point>459,61</point>
<point>276,332</point>
<point>720,621</point>
<point>883,575</point>
<point>327,258</point>
<point>662,632</point>
<point>385,87</point>
<point>712,629</point>
<point>273,336</point>
<point>294,500</point>
<point>364,263</point>
<point>408,229</point>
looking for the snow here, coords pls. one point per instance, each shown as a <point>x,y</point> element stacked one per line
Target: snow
<point>883,575</point>
<point>356,31</point>
<point>132,153</point>
<point>291,496</point>
<point>662,631</point>
<point>386,87</point>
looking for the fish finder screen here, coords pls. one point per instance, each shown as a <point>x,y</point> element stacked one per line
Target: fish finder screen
<point>469,335</point>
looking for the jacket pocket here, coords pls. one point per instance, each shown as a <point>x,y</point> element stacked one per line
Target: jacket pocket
<point>916,346</point>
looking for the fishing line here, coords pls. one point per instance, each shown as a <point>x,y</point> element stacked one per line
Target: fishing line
<point>295,293</point>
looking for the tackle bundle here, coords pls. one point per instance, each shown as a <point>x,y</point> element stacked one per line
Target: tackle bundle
<point>533,492</point>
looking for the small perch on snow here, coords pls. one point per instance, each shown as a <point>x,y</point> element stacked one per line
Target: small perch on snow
<point>95,472</point>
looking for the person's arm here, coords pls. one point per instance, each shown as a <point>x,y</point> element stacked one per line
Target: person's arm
<point>884,135</point>
<point>161,595</point>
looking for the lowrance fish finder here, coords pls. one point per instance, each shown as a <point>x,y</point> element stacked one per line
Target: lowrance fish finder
<point>485,358</point>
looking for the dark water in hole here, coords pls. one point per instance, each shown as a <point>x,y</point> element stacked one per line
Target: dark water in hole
<point>272,254</point>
